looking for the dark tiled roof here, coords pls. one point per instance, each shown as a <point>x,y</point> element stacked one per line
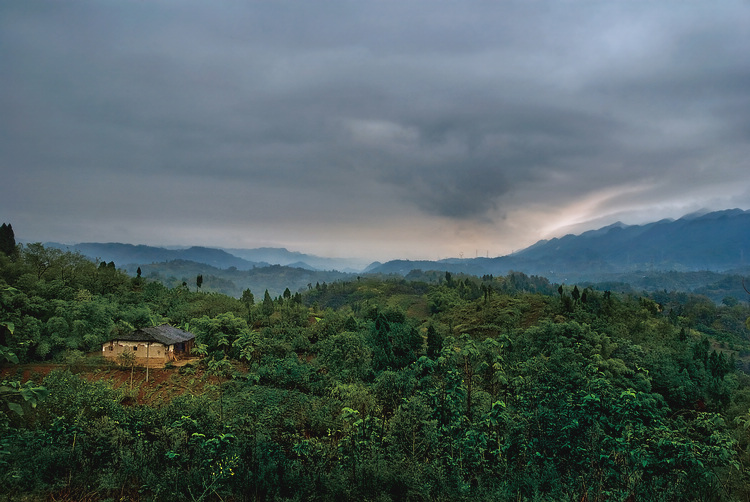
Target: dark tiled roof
<point>165,334</point>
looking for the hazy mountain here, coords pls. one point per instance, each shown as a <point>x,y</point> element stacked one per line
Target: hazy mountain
<point>128,254</point>
<point>230,281</point>
<point>282,256</point>
<point>715,241</point>
<point>699,242</point>
<point>242,259</point>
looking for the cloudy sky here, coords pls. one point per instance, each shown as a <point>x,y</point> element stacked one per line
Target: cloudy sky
<point>379,129</point>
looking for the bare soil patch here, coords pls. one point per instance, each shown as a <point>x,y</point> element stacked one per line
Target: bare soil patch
<point>162,385</point>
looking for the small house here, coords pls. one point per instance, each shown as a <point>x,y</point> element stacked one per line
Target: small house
<point>152,346</point>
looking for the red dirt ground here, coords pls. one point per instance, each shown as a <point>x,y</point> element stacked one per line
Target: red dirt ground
<point>163,383</point>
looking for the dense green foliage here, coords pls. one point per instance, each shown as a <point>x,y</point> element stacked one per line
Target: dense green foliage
<point>435,387</point>
<point>232,281</point>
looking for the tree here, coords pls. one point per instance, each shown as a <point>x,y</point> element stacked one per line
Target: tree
<point>127,359</point>
<point>267,307</point>
<point>219,333</point>
<point>575,294</point>
<point>198,282</point>
<point>346,355</point>
<point>434,342</point>
<point>221,369</point>
<point>475,359</point>
<point>40,258</point>
<point>8,240</point>
<point>247,298</point>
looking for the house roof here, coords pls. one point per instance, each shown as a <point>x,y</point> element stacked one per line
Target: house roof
<point>166,334</point>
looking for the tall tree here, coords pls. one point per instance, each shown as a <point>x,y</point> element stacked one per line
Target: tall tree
<point>434,342</point>
<point>248,298</point>
<point>40,258</point>
<point>7,240</point>
<point>576,294</point>
<point>267,307</point>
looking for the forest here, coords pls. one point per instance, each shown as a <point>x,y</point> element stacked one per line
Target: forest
<point>432,387</point>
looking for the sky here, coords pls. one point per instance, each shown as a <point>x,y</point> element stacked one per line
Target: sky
<point>419,129</point>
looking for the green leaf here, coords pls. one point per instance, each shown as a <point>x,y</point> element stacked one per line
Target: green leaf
<point>15,407</point>
<point>7,354</point>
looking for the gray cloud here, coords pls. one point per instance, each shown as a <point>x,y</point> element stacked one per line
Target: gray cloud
<point>466,119</point>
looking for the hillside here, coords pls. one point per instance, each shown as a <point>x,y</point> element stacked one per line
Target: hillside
<point>434,387</point>
<point>222,271</point>
<point>129,254</point>
<point>635,256</point>
<point>717,241</point>
<point>232,282</point>
<point>242,259</point>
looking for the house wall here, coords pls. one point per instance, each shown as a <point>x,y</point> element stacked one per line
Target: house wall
<point>151,353</point>
<point>184,348</point>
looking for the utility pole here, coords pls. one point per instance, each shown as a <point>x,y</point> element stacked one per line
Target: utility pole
<point>148,346</point>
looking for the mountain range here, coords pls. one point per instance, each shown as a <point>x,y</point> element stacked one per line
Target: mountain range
<point>716,241</point>
<point>706,243</point>
<point>241,259</point>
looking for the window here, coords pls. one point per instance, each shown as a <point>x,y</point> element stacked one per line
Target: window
<point>135,347</point>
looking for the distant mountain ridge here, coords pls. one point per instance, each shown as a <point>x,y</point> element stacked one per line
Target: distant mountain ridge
<point>715,241</point>
<point>241,259</point>
<point>282,256</point>
<point>127,254</point>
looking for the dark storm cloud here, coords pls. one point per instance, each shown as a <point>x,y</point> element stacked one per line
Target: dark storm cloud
<point>452,110</point>
<point>460,164</point>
